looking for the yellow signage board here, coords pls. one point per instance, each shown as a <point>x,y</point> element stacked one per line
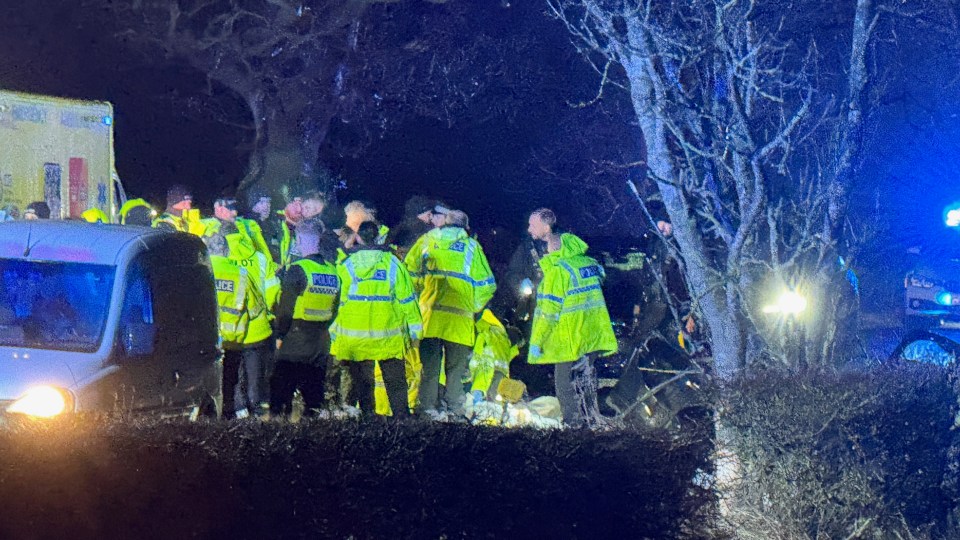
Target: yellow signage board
<point>56,150</point>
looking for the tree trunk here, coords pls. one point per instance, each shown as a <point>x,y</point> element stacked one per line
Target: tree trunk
<point>718,309</point>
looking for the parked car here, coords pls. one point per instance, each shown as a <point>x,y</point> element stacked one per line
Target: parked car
<point>106,318</point>
<point>936,346</point>
<point>932,294</point>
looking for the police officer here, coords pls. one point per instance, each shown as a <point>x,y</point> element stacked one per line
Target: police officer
<point>455,283</point>
<point>244,329</point>
<point>377,320</point>
<point>310,293</point>
<point>179,200</point>
<point>571,325</point>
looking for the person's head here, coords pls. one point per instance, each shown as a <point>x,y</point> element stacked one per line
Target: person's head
<point>457,218</point>
<point>541,223</point>
<point>137,212</point>
<point>312,205</point>
<point>259,202</point>
<point>217,245</point>
<point>37,210</point>
<point>367,232</point>
<point>308,238</point>
<point>293,212</point>
<point>665,228</point>
<point>357,213</point>
<point>179,198</point>
<point>225,209</point>
<point>11,211</point>
<point>438,215</point>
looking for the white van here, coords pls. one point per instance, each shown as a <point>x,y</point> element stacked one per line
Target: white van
<point>108,318</point>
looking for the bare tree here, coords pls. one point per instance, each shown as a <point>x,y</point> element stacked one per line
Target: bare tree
<point>751,145</point>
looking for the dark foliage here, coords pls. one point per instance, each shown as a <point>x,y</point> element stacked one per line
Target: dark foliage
<point>829,453</point>
<point>89,478</point>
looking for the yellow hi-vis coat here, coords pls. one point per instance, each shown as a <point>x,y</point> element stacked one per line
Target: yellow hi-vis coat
<point>254,234</point>
<point>378,318</point>
<point>454,280</point>
<point>130,205</point>
<point>240,303</point>
<point>492,352</point>
<point>322,292</point>
<point>263,274</point>
<point>571,319</point>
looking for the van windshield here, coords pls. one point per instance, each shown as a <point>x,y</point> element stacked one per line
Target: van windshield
<point>51,305</point>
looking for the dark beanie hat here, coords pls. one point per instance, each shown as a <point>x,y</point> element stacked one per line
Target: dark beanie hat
<point>177,193</point>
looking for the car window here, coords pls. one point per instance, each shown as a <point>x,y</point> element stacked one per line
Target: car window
<point>53,305</point>
<point>927,352</point>
<point>138,301</point>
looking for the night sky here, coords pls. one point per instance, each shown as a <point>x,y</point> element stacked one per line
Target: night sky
<point>516,146</point>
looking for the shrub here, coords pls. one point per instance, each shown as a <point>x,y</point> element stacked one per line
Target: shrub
<point>829,455</point>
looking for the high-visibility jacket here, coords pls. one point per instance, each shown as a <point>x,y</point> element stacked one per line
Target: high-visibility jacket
<point>492,352</point>
<point>252,231</point>
<point>286,244</point>
<point>247,228</point>
<point>130,205</point>
<point>190,222</point>
<point>322,293</point>
<point>451,273</point>
<point>95,215</point>
<point>262,270</point>
<point>378,318</point>
<point>240,303</point>
<point>571,319</point>
<point>174,221</point>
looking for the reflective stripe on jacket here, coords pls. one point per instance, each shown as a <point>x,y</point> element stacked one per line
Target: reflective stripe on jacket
<point>321,294</point>
<point>571,319</point>
<point>454,280</point>
<point>378,316</point>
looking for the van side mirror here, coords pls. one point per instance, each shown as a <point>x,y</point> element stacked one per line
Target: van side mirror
<point>138,338</point>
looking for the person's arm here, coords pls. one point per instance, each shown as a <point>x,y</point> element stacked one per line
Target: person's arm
<point>550,297</point>
<point>414,263</point>
<point>294,283</point>
<point>407,302</point>
<point>485,286</point>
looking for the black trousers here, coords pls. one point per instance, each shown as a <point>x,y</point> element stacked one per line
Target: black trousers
<point>576,387</point>
<point>243,379</point>
<point>433,352</point>
<point>394,379</point>
<point>290,374</point>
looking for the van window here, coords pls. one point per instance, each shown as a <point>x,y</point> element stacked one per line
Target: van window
<point>54,305</point>
<point>138,302</point>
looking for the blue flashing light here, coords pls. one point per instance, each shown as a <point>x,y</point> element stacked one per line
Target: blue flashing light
<point>944,298</point>
<point>107,120</point>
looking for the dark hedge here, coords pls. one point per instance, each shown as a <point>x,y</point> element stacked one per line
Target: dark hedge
<point>830,453</point>
<point>89,477</point>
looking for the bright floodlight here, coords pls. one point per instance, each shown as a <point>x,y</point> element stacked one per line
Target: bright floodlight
<point>789,303</point>
<point>953,218</point>
<point>945,299</point>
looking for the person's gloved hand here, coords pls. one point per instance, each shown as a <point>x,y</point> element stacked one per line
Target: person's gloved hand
<point>477,396</point>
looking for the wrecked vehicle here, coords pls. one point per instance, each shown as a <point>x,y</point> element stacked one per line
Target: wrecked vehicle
<point>98,317</point>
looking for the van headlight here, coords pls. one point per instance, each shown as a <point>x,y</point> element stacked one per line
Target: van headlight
<point>42,402</point>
